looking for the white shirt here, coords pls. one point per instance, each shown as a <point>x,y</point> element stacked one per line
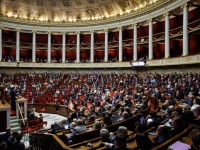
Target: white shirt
<point>196,110</point>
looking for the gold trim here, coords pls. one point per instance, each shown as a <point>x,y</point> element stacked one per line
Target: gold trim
<point>120,28</point>
<point>126,16</point>
<point>184,5</point>
<point>135,24</point>
<point>120,61</point>
<point>186,54</point>
<point>63,62</point>
<point>34,31</point>
<point>150,59</point>
<point>135,59</point>
<point>91,61</point>
<point>167,57</point>
<point>149,20</point>
<point>17,30</point>
<point>49,32</point>
<point>166,14</point>
<point>105,30</point>
<point>33,61</point>
<point>78,32</point>
<point>92,31</point>
<point>63,32</point>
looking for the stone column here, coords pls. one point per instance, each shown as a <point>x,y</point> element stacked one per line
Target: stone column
<point>34,46</point>
<point>63,46</point>
<point>167,40</point>
<point>185,30</point>
<point>92,47</point>
<point>17,45</point>
<point>134,42</point>
<point>106,45</point>
<point>49,47</point>
<point>78,47</point>
<point>150,39</point>
<point>120,44</point>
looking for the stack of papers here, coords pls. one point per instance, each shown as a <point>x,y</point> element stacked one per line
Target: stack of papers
<point>179,146</point>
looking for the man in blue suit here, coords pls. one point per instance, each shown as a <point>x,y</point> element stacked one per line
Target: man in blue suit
<point>162,135</point>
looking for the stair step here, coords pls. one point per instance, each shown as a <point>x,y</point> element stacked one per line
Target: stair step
<point>13,125</point>
<point>13,117</point>
<point>14,121</point>
<point>16,129</point>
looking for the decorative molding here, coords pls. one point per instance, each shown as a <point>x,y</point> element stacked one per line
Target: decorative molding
<point>92,31</point>
<point>166,14</point>
<point>161,4</point>
<point>120,28</point>
<point>149,20</point>
<point>184,5</point>
<point>34,31</point>
<point>63,32</point>
<point>49,32</point>
<point>17,30</point>
<point>78,32</point>
<point>167,57</point>
<point>135,24</point>
<point>106,30</point>
<point>194,59</point>
<point>185,54</point>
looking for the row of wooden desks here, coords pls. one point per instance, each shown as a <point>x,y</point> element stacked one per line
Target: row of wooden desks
<point>51,108</point>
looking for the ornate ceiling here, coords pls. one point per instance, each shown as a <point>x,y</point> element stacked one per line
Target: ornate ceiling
<point>71,10</point>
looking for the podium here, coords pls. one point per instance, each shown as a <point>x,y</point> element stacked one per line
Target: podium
<point>2,92</point>
<point>21,108</point>
<point>4,115</point>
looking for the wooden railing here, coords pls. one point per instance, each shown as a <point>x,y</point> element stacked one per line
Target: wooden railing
<point>46,142</point>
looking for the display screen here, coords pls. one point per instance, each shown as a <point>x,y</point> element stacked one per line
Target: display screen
<point>138,63</point>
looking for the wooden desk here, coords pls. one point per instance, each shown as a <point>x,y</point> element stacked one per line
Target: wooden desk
<point>50,108</point>
<point>63,110</point>
<point>37,106</point>
<point>4,115</point>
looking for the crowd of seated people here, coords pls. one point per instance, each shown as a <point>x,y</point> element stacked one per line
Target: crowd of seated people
<point>57,60</point>
<point>11,140</point>
<point>178,93</point>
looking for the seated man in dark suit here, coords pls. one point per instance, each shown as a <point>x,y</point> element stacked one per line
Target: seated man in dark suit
<point>57,126</point>
<point>18,145</point>
<point>105,136</point>
<point>162,135</point>
<point>76,114</point>
<point>196,140</point>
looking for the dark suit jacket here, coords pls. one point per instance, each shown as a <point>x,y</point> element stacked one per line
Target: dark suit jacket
<point>57,128</point>
<point>74,115</point>
<point>18,146</point>
<point>160,140</point>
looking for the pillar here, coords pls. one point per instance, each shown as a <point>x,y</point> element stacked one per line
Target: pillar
<point>34,46</point>
<point>63,46</point>
<point>78,47</point>
<point>92,47</point>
